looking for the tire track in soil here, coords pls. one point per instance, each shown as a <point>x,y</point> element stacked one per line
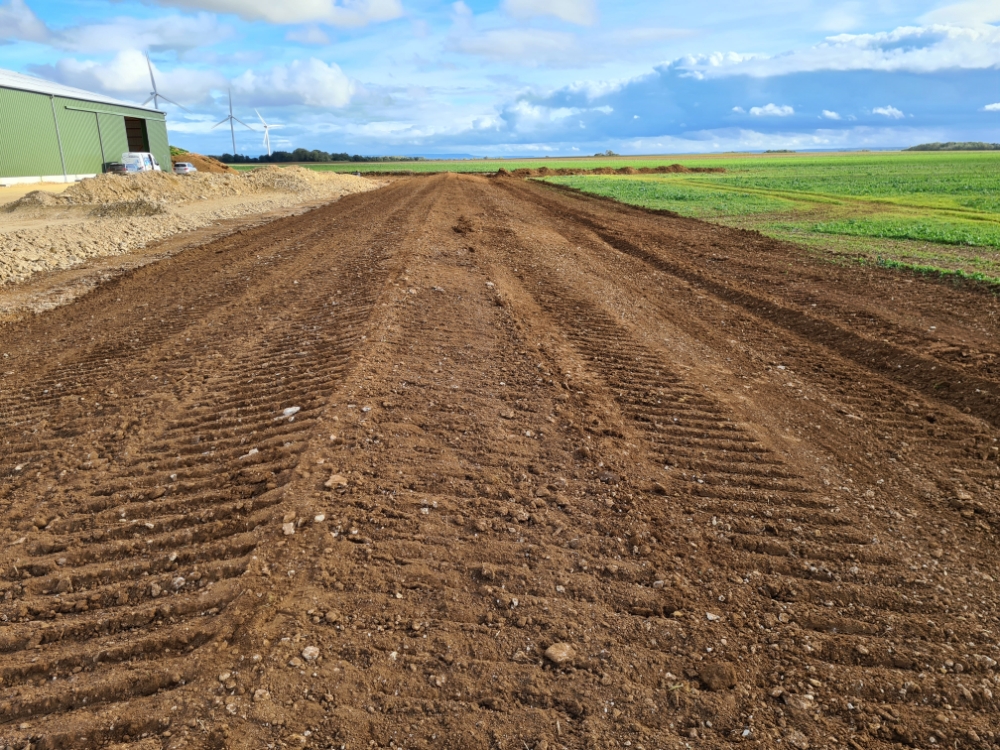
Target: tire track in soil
<point>469,539</point>
<point>115,594</point>
<point>503,439</point>
<point>764,510</point>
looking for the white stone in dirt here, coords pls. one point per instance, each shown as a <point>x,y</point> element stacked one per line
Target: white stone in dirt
<point>310,653</point>
<point>154,590</point>
<point>288,528</point>
<point>337,480</point>
<point>291,411</point>
<point>560,653</point>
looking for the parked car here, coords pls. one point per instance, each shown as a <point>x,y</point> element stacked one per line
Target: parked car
<point>140,161</point>
<point>115,167</point>
<point>184,167</point>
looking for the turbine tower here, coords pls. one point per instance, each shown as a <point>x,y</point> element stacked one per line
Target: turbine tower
<point>231,119</point>
<point>267,132</point>
<point>154,95</point>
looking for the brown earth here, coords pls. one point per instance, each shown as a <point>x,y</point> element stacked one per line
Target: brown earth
<point>477,463</point>
<point>203,163</point>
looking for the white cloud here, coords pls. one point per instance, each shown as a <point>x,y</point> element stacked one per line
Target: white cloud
<point>915,49</point>
<point>740,110</point>
<point>992,107</point>
<point>18,21</point>
<point>889,111</point>
<point>965,14</point>
<point>333,12</point>
<point>646,36</point>
<point>525,117</point>
<point>749,140</point>
<point>772,110</point>
<point>308,35</point>
<point>843,17</point>
<point>529,47</point>
<point>582,12</point>
<point>830,115</point>
<point>312,82</point>
<point>126,76</point>
<point>166,32</point>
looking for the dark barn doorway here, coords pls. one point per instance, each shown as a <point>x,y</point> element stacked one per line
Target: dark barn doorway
<point>135,130</point>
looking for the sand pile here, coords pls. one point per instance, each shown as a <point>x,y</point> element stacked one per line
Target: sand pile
<point>171,189</point>
<point>117,214</point>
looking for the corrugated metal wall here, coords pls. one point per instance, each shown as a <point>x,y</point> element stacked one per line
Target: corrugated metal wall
<point>80,142</point>
<point>158,144</point>
<point>27,135</point>
<point>28,143</point>
<point>112,119</point>
<point>113,133</point>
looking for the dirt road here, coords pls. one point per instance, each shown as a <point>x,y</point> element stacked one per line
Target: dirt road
<point>476,463</point>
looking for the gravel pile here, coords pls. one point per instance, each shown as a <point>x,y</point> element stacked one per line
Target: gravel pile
<point>117,214</point>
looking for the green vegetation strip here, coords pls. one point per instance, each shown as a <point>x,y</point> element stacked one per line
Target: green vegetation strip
<point>929,212</point>
<point>941,232</point>
<point>679,196</point>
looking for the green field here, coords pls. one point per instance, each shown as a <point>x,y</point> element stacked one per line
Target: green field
<point>929,211</point>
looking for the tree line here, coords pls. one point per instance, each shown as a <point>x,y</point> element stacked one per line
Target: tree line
<point>956,146</point>
<point>305,155</point>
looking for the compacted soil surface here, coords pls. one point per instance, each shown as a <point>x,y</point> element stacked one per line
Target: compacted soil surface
<point>472,462</point>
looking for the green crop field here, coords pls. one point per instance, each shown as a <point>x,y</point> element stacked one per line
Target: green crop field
<point>928,211</point>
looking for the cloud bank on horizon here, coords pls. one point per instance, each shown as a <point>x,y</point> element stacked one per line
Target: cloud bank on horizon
<point>510,77</point>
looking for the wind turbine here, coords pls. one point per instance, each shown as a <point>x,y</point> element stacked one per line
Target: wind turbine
<point>154,95</point>
<point>231,119</point>
<point>267,133</point>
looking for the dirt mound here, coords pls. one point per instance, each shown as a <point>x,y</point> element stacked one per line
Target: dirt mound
<point>36,199</point>
<point>128,208</point>
<point>118,214</point>
<point>167,188</point>
<point>204,163</point>
<point>566,172</point>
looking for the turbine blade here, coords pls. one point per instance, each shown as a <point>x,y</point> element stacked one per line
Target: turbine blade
<point>147,101</point>
<point>223,122</point>
<point>260,118</point>
<point>243,124</point>
<point>149,64</point>
<point>171,101</point>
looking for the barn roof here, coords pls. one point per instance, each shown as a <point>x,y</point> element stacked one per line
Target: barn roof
<point>11,80</point>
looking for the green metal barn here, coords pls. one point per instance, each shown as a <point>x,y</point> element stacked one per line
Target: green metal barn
<point>55,133</point>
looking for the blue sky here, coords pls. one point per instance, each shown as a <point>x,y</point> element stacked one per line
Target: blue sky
<point>532,77</point>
